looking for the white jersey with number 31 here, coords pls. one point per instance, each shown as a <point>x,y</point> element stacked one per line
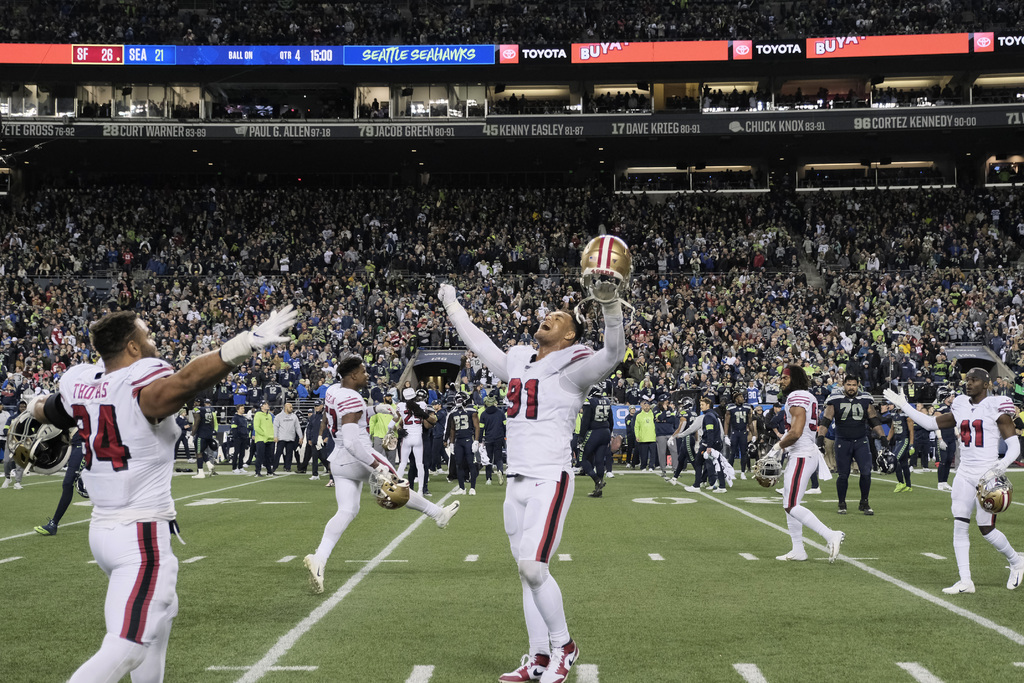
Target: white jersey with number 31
<point>977,428</point>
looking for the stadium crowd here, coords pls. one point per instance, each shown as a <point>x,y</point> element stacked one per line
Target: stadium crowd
<point>722,300</point>
<point>297,22</point>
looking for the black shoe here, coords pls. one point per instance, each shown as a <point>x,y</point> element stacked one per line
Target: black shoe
<point>866,508</point>
<point>596,493</point>
<point>842,509</point>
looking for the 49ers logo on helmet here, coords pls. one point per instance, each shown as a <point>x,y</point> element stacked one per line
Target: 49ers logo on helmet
<point>508,54</point>
<point>742,49</point>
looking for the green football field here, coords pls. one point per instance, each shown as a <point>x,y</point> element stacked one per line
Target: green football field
<point>660,585</point>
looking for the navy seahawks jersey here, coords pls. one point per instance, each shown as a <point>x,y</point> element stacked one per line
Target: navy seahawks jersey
<point>711,430</point>
<point>206,419</point>
<point>899,428</point>
<point>948,435</point>
<point>597,414</point>
<point>850,414</point>
<point>739,418</point>
<point>461,420</point>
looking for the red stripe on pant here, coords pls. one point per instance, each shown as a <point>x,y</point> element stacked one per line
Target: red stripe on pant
<point>794,484</point>
<point>137,609</point>
<point>551,525</point>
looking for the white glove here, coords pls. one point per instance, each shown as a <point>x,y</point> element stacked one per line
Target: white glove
<point>753,439</point>
<point>775,452</point>
<point>942,444</point>
<point>446,295</point>
<point>728,441</point>
<point>476,446</point>
<point>267,333</point>
<point>604,291</point>
<point>320,441</point>
<point>897,399</point>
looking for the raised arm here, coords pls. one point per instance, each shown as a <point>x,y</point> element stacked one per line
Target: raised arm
<point>476,339</point>
<point>592,370</point>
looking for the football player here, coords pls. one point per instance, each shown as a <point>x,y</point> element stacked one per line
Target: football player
<point>352,462</point>
<point>71,475</point>
<point>709,466</point>
<point>204,429</point>
<point>464,436</point>
<point>853,411</point>
<point>596,431</point>
<point>901,436</point>
<point>946,441</point>
<point>982,421</point>
<point>740,432</point>
<point>414,417</point>
<point>122,412</point>
<point>688,450</point>
<point>546,388</point>
<point>801,424</point>
<point>493,419</point>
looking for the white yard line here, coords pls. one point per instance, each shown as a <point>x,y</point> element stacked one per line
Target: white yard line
<point>287,558</point>
<point>420,674</point>
<point>933,556</point>
<point>656,557</point>
<point>10,559</point>
<point>918,672</point>
<point>288,640</point>
<point>914,590</point>
<point>748,556</point>
<point>472,558</point>
<point>192,495</point>
<point>750,673</point>
<point>564,557</point>
<point>586,673</point>
<point>194,559</point>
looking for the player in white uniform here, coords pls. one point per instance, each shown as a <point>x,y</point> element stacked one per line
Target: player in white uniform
<point>546,388</point>
<point>804,460</point>
<point>352,461</point>
<point>981,421</point>
<point>413,415</point>
<point>124,410</point>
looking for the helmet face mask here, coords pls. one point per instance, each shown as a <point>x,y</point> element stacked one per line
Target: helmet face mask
<point>390,492</point>
<point>606,259</point>
<point>886,461</point>
<point>42,446</point>
<point>421,394</point>
<point>767,471</point>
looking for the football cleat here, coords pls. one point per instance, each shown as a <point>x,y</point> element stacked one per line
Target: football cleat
<point>501,478</point>
<point>1016,572</point>
<point>865,507</point>
<point>692,489</point>
<point>610,475</point>
<point>472,492</point>
<point>814,491</point>
<point>201,475</point>
<point>50,529</point>
<point>315,477</point>
<point>530,669</point>
<point>833,545</point>
<point>459,492</point>
<point>17,486</point>
<point>562,659</point>
<point>842,509</point>
<point>960,586</point>
<point>719,490</point>
<point>899,487</point>
<point>7,484</point>
<point>316,573</point>
<point>447,512</point>
<point>944,486</point>
<point>792,556</point>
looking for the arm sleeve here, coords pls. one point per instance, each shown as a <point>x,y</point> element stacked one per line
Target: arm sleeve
<point>1012,453</point>
<point>478,341</point>
<point>919,418</point>
<point>592,370</point>
<point>56,413</point>
<point>350,437</point>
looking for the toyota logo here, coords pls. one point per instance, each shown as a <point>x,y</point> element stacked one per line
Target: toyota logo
<point>508,53</point>
<point>742,49</point>
<point>982,41</point>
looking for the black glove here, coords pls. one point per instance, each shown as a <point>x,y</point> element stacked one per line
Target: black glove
<point>820,441</point>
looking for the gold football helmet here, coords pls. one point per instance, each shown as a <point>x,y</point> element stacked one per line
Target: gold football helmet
<point>995,492</point>
<point>606,263</point>
<point>767,471</point>
<point>390,492</point>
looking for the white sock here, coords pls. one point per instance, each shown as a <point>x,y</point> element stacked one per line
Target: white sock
<point>962,548</point>
<point>796,533</point>
<point>998,540</point>
<point>809,520</point>
<point>116,657</point>
<point>419,503</point>
<point>346,492</point>
<point>548,599</point>
<point>536,629</point>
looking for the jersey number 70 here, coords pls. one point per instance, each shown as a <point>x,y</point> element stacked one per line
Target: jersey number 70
<point>516,387</point>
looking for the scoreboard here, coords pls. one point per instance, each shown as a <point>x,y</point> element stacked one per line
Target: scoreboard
<point>97,54</point>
